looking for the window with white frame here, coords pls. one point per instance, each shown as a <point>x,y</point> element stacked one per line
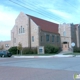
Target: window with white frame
<point>47,37</point>
<point>21,30</point>
<point>41,38</point>
<point>58,38</point>
<point>64,33</point>
<point>32,38</point>
<point>53,38</point>
<point>6,45</point>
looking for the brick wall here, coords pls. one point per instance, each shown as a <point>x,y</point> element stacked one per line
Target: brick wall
<point>55,42</point>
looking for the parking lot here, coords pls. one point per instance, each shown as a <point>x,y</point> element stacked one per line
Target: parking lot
<point>39,68</point>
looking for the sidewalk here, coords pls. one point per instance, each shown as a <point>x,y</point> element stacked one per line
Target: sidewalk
<point>52,56</point>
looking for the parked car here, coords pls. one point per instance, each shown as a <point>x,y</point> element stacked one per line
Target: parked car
<point>5,53</point>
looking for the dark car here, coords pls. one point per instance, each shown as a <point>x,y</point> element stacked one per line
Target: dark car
<point>5,53</point>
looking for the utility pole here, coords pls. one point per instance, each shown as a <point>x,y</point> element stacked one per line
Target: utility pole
<point>29,36</point>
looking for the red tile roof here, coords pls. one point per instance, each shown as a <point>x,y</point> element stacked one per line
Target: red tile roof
<point>45,25</point>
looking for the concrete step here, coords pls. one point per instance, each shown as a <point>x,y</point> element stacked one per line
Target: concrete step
<point>64,52</point>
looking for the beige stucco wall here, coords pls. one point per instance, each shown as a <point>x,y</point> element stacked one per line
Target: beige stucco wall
<point>67,36</point>
<point>22,20</point>
<point>35,33</point>
<point>23,38</point>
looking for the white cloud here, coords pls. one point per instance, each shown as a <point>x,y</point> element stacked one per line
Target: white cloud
<point>7,20</point>
<point>62,14</point>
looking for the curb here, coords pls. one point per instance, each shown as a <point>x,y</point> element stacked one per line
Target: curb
<point>54,56</point>
<point>32,56</point>
<point>63,56</point>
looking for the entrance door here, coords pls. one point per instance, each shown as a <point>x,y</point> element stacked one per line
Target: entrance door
<point>65,46</point>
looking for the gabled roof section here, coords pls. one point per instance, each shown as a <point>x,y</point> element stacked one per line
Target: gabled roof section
<point>45,25</point>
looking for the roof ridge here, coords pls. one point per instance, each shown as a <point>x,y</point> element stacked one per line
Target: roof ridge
<point>41,19</point>
<point>45,25</point>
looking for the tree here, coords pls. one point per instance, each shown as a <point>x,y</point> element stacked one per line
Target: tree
<point>1,47</point>
<point>19,47</point>
<point>13,50</point>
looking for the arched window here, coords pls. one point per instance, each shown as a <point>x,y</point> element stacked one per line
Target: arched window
<point>19,30</point>
<point>41,38</point>
<point>32,38</point>
<point>23,30</point>
<point>64,33</point>
<point>53,38</point>
<point>58,38</point>
<point>47,37</point>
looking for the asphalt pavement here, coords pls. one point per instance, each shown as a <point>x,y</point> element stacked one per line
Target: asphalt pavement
<point>55,68</point>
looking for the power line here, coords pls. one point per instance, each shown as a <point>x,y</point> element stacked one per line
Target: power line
<point>29,9</point>
<point>31,5</point>
<point>48,16</point>
<point>39,11</point>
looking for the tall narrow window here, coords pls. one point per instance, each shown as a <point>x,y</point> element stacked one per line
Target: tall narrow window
<point>23,30</point>
<point>41,38</point>
<point>64,33</point>
<point>32,38</point>
<point>19,30</point>
<point>52,38</point>
<point>47,38</point>
<point>58,38</point>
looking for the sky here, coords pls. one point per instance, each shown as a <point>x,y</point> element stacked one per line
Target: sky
<point>57,11</point>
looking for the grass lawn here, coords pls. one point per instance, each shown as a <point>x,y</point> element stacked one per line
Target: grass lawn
<point>72,54</point>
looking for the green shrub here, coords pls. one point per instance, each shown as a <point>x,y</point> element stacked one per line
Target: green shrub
<point>56,49</point>
<point>34,50</point>
<point>51,49</point>
<point>29,51</point>
<point>48,48</point>
<point>13,50</point>
<point>76,49</point>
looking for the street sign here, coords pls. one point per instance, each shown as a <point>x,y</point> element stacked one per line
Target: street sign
<point>72,44</point>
